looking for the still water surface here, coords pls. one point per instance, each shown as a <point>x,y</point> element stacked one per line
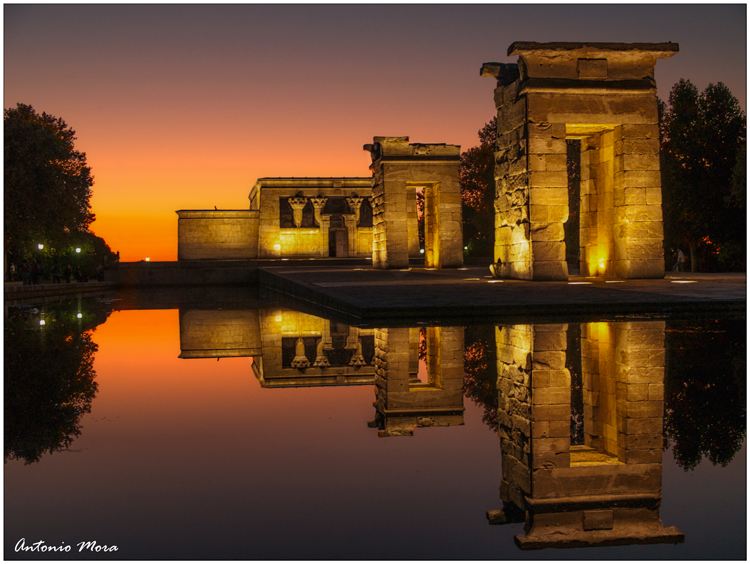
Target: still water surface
<point>165,452</point>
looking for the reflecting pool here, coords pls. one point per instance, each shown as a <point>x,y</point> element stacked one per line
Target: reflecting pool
<point>199,429</point>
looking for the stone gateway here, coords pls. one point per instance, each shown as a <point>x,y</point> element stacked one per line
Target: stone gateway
<point>604,95</point>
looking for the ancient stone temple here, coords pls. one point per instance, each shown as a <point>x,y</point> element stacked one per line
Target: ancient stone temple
<point>585,470</point>
<point>399,169</point>
<point>287,217</point>
<point>591,105</point>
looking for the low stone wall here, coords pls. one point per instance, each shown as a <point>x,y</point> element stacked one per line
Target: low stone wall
<point>217,234</point>
<point>14,292</point>
<point>215,272</point>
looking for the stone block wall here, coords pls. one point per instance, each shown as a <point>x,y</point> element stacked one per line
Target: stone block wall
<point>603,94</point>
<point>403,402</point>
<point>639,369</point>
<point>609,491</point>
<point>276,324</point>
<point>219,333</point>
<point>514,347</point>
<point>308,242</point>
<point>398,169</point>
<point>217,234</point>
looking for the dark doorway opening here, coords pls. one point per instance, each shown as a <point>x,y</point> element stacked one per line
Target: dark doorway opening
<point>338,242</point>
<point>572,227</point>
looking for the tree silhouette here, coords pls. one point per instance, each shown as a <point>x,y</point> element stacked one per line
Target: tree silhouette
<point>49,381</point>
<point>702,135</point>
<point>477,174</point>
<point>47,182</point>
<point>704,392</point>
<point>480,371</point>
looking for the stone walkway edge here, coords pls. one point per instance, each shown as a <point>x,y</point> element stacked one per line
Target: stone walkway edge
<point>453,296</point>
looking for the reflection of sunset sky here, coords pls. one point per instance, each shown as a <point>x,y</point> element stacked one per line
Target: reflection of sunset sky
<point>192,459</point>
<point>181,107</point>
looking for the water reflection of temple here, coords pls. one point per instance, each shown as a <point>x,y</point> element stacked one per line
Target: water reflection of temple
<point>403,399</point>
<point>288,348</point>
<point>593,482</point>
<point>292,349</point>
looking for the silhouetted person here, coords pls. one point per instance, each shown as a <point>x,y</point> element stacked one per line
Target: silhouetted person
<point>100,273</point>
<point>26,273</point>
<point>34,272</point>
<point>68,273</point>
<point>55,272</point>
<point>78,275</point>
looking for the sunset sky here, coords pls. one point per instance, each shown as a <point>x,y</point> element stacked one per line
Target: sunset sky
<point>185,106</point>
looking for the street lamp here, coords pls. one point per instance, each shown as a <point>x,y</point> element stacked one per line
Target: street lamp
<point>40,246</point>
<point>78,249</point>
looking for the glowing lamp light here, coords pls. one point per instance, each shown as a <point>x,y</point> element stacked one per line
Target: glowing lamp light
<point>79,316</point>
<point>78,249</point>
<point>421,251</point>
<point>41,322</point>
<point>40,246</point>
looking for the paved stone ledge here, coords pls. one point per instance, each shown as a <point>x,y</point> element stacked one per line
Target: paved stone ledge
<point>15,292</point>
<point>370,297</point>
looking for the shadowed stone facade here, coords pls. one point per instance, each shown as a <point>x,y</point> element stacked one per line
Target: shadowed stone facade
<point>399,168</point>
<point>604,95</point>
<point>606,491</point>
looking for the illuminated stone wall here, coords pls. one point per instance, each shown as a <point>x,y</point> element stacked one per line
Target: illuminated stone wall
<point>402,402</point>
<point>398,169</point>
<point>534,404</point>
<point>217,234</point>
<point>297,241</point>
<point>605,95</point>
<point>315,365</point>
<point>608,491</point>
<point>219,333</point>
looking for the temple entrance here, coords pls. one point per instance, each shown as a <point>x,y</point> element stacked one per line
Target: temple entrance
<point>338,242</point>
<point>572,227</point>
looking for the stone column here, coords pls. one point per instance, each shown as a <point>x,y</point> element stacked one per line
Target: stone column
<point>324,223</point>
<point>355,202</point>
<point>300,360</point>
<point>298,204</point>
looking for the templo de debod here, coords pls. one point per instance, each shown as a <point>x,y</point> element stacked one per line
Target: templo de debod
<point>592,102</point>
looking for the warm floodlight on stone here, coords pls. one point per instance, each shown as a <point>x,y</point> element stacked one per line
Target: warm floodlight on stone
<point>399,168</point>
<point>604,95</point>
